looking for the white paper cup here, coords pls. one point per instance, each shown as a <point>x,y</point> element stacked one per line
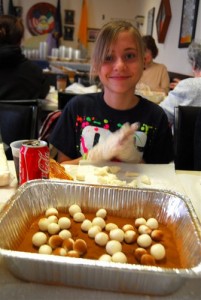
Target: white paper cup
<point>15,148</point>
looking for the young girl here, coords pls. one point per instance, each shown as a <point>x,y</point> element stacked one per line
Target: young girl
<point>97,125</point>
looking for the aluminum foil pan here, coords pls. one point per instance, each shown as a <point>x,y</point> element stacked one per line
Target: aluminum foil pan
<point>168,207</point>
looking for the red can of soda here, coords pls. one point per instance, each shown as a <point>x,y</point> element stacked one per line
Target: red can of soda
<point>34,160</point>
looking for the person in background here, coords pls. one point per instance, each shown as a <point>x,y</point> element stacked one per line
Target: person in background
<point>114,124</point>
<point>155,76</point>
<point>20,79</point>
<point>187,91</point>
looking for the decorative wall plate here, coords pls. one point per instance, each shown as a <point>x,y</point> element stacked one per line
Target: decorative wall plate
<point>41,18</point>
<point>163,20</point>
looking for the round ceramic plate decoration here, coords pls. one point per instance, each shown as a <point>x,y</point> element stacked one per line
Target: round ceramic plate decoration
<point>41,18</point>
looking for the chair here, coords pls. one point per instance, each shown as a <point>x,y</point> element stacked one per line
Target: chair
<point>47,128</point>
<point>33,102</point>
<point>17,122</point>
<point>197,143</point>
<point>48,125</point>
<point>184,137</point>
<point>64,98</point>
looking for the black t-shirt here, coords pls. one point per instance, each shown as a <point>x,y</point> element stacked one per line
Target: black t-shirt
<point>87,120</point>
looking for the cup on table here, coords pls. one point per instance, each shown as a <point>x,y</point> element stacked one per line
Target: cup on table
<point>15,148</point>
<point>61,82</point>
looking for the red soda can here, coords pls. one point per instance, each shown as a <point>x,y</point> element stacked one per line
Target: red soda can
<point>33,161</point>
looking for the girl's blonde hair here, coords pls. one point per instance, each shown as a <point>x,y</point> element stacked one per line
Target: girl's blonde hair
<point>107,35</point>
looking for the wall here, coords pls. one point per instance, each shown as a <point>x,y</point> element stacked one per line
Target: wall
<point>175,58</point>
<point>102,11</point>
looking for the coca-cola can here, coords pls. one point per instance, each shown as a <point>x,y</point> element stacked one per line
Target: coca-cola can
<point>34,160</point>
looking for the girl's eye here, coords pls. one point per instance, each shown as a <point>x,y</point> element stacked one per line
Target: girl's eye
<point>129,56</point>
<point>108,58</point>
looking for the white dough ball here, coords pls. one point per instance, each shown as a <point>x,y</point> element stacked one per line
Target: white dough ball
<point>144,240</point>
<point>86,224</point>
<point>64,223</point>
<point>53,228</point>
<point>110,226</point>
<point>127,227</point>
<point>65,234</point>
<point>140,221</point>
<point>101,238</point>
<point>158,251</point>
<point>39,238</point>
<point>78,217</point>
<point>130,236</point>
<point>43,224</point>
<point>152,223</point>
<point>117,234</point>
<point>51,212</point>
<point>93,230</point>
<point>74,208</point>
<point>52,219</point>
<point>144,229</point>
<point>119,257</point>
<point>99,221</point>
<point>102,213</point>
<point>113,247</point>
<point>105,257</point>
<point>45,249</point>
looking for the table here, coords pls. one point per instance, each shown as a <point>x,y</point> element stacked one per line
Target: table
<point>12,288</point>
<point>75,66</point>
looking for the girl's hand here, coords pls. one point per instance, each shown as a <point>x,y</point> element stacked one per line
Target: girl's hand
<point>119,145</point>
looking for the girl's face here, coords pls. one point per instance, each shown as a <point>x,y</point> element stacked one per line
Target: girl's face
<point>123,66</point>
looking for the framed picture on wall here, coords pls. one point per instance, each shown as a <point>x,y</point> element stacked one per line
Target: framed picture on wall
<point>68,33</point>
<point>188,22</point>
<point>163,20</point>
<point>69,16</point>
<point>150,21</point>
<point>92,34</point>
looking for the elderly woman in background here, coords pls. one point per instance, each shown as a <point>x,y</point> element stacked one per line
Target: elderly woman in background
<point>20,79</point>
<point>187,91</point>
<point>155,76</point>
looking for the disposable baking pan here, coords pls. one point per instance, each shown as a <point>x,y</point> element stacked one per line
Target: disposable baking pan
<point>34,197</point>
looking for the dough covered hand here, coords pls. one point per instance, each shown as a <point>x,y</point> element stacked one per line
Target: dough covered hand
<point>119,145</point>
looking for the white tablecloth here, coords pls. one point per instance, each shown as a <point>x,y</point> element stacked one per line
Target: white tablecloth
<point>12,288</point>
